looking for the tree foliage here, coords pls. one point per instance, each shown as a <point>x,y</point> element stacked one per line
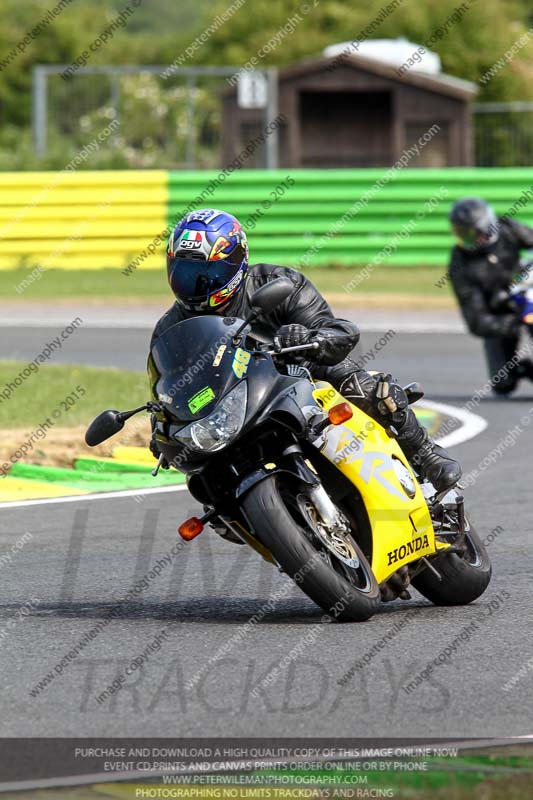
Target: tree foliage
<point>159,31</point>
<point>485,32</point>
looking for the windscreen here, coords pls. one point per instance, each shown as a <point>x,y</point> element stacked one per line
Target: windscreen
<point>193,364</point>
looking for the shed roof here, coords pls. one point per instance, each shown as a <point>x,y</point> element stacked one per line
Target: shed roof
<point>441,83</point>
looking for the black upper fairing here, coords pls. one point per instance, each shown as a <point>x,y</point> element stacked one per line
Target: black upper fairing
<point>194,364</point>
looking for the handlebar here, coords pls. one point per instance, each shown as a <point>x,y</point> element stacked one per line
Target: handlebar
<point>278,352</point>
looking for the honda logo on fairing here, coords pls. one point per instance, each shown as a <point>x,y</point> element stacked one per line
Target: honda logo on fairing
<point>407,549</point>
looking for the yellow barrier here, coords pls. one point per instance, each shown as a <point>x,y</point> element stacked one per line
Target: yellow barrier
<point>81,219</point>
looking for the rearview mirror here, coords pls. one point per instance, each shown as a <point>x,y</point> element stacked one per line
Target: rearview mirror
<point>269,296</point>
<point>103,427</point>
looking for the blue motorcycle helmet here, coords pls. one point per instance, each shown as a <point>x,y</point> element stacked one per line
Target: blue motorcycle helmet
<point>207,261</point>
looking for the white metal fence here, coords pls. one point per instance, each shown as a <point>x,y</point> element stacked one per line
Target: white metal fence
<point>169,117</point>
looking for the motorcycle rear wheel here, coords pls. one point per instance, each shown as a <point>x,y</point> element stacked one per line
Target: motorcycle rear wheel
<point>294,545</point>
<point>464,578</point>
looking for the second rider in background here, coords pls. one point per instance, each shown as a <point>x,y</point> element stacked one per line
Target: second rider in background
<point>483,264</point>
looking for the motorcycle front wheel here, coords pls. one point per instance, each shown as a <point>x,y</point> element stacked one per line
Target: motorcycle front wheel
<point>336,577</point>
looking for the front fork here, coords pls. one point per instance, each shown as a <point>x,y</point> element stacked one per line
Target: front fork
<point>327,510</point>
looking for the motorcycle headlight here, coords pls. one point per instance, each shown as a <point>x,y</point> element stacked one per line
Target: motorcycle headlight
<point>221,426</point>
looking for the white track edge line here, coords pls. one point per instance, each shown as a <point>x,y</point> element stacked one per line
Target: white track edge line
<point>400,326</point>
<point>78,498</point>
<point>473,424</point>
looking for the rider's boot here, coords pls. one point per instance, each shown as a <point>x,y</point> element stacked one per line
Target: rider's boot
<point>385,400</point>
<point>429,459</point>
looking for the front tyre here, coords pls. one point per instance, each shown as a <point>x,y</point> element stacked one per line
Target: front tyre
<point>347,594</point>
<point>464,578</point>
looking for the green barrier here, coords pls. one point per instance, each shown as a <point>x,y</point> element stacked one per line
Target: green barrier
<point>348,216</point>
<point>110,465</point>
<point>95,481</point>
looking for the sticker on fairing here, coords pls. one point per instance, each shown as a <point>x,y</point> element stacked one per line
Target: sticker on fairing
<point>201,399</point>
<point>220,352</point>
<point>241,361</point>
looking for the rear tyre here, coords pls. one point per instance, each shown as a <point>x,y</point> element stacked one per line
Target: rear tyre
<point>348,594</point>
<point>464,578</point>
<point>503,391</point>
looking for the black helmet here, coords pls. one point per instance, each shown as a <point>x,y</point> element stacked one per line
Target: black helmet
<point>475,224</point>
<point>207,260</point>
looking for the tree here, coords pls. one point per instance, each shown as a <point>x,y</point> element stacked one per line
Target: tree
<point>470,46</point>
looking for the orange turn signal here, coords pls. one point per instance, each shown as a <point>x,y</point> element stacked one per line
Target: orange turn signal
<point>340,413</point>
<point>190,528</point>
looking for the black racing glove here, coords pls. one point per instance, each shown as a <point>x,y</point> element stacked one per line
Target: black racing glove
<point>510,325</point>
<point>154,448</point>
<point>292,336</point>
<point>501,301</point>
<point>333,346</point>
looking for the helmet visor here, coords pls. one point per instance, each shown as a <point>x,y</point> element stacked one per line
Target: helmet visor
<point>194,281</point>
<point>471,237</point>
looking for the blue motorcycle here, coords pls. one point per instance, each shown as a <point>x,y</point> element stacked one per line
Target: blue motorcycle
<point>521,295</point>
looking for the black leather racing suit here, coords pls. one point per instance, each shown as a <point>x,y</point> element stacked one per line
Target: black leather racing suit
<point>306,306</point>
<point>477,278</point>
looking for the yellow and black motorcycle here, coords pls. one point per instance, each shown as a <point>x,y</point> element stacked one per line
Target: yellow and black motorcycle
<point>286,465</point>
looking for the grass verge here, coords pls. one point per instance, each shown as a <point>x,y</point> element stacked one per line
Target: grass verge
<point>151,285</point>
<point>49,412</point>
<point>45,393</point>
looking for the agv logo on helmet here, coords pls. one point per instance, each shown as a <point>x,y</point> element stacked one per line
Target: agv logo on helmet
<point>191,240</point>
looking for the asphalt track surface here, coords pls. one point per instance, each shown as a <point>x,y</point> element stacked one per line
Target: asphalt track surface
<point>84,556</point>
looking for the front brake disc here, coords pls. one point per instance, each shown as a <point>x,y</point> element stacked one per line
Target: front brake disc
<point>336,542</point>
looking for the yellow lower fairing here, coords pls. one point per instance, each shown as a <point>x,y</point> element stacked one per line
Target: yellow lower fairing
<point>362,450</point>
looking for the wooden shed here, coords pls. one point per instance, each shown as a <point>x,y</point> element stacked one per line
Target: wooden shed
<point>358,113</point>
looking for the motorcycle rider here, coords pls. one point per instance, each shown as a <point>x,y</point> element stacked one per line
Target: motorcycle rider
<point>482,266</point>
<point>208,272</point>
